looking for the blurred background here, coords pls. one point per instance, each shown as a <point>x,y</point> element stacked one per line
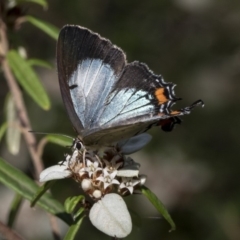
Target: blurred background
<point>194,170</point>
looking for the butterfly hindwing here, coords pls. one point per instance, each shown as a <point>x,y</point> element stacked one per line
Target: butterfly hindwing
<point>140,94</point>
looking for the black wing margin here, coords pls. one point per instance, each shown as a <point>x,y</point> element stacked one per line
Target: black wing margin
<point>76,44</point>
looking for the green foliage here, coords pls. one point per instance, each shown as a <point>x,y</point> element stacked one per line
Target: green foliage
<point>24,186</point>
<point>71,206</point>
<point>28,79</point>
<point>58,139</point>
<point>40,63</point>
<point>14,209</point>
<point>158,205</point>
<point>74,228</point>
<point>49,29</point>
<point>41,191</point>
<point>3,129</point>
<point>71,203</point>
<point>13,134</point>
<point>40,2</point>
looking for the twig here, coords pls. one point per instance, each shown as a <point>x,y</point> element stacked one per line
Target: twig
<point>23,116</point>
<point>18,100</point>
<point>8,233</point>
<point>41,146</point>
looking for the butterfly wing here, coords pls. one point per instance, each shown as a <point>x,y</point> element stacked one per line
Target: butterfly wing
<point>107,99</point>
<point>88,66</point>
<point>138,101</point>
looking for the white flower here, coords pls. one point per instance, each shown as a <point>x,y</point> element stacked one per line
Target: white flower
<point>143,179</point>
<point>59,171</point>
<point>112,165</point>
<point>97,194</point>
<point>91,168</point>
<point>108,178</point>
<point>129,184</point>
<point>55,172</point>
<point>72,158</point>
<point>130,169</point>
<point>86,184</point>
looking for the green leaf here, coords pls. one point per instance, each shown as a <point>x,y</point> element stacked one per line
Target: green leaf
<point>28,79</point>
<point>70,206</point>
<point>24,186</point>
<point>48,28</point>
<point>41,191</point>
<point>71,203</point>
<point>61,140</point>
<point>158,205</point>
<point>15,206</point>
<point>3,129</point>
<point>39,62</point>
<point>13,134</point>
<point>40,2</point>
<point>78,213</point>
<point>72,231</point>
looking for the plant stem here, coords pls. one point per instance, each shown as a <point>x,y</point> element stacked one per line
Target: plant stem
<point>23,117</point>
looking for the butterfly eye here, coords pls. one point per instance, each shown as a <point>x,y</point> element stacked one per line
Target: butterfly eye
<point>77,144</point>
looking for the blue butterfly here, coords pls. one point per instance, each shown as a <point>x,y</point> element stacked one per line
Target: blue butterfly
<point>107,99</point>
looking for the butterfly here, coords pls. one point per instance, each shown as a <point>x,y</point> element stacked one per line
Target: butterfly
<point>107,99</point>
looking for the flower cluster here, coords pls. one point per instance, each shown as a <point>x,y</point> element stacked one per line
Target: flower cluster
<point>98,172</point>
<point>104,174</point>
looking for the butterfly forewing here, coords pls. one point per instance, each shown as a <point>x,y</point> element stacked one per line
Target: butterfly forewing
<point>88,67</point>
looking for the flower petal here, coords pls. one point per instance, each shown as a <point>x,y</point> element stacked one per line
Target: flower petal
<point>101,179</point>
<point>127,173</point>
<point>113,174</point>
<point>131,169</point>
<point>115,181</point>
<point>110,215</point>
<point>130,189</point>
<point>54,172</point>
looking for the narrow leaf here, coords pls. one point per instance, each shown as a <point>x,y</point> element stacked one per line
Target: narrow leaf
<point>3,129</point>
<point>40,2</point>
<point>41,191</point>
<point>46,27</point>
<point>39,62</point>
<point>158,205</point>
<point>61,140</point>
<point>28,79</point>
<point>13,135</point>
<point>15,206</point>
<point>71,203</point>
<point>24,186</point>
<point>72,231</point>
<point>78,213</point>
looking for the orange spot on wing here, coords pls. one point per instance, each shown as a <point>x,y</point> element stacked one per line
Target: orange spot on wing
<point>159,93</point>
<point>174,113</point>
